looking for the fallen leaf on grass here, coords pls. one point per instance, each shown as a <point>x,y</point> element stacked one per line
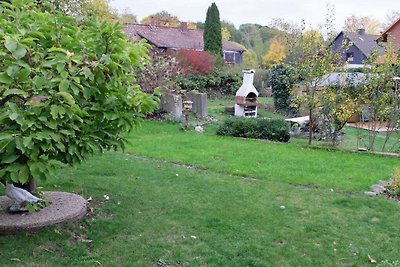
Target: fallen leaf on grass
<point>15,259</point>
<point>57,232</point>
<point>372,260</point>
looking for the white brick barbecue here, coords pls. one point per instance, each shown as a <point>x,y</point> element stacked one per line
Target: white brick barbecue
<point>247,96</point>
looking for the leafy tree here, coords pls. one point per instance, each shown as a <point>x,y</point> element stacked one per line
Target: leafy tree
<point>67,89</point>
<point>257,38</point>
<point>162,18</point>
<point>235,35</point>
<point>276,53</point>
<point>391,17</point>
<point>158,73</point>
<point>127,17</point>
<point>249,59</point>
<point>338,103</point>
<point>379,94</point>
<point>353,23</point>
<point>70,7</point>
<point>313,59</point>
<point>99,8</point>
<point>226,35</point>
<point>212,32</point>
<point>283,76</point>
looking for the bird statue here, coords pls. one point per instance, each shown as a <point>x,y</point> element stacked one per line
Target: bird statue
<point>199,129</point>
<point>20,196</point>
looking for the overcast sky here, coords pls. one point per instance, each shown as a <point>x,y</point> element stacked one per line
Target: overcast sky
<point>261,11</point>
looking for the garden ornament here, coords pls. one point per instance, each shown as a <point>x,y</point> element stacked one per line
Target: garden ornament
<point>20,196</point>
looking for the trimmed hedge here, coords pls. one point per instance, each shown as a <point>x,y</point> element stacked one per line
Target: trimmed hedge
<point>270,129</point>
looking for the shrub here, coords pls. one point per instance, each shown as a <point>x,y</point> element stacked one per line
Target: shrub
<point>394,185</point>
<point>218,82</point>
<point>158,72</point>
<point>270,129</point>
<point>195,62</point>
<point>67,89</point>
<point>281,80</point>
<point>261,76</point>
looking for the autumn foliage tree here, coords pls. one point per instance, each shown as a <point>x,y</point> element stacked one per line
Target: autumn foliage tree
<point>162,18</point>
<point>276,53</point>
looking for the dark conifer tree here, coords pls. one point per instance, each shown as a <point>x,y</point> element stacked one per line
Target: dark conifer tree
<point>212,31</point>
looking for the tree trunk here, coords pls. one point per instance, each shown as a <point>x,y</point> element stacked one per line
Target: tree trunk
<point>30,186</point>
<point>311,127</point>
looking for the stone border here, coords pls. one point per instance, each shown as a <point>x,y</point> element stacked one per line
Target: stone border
<point>377,189</point>
<point>64,207</point>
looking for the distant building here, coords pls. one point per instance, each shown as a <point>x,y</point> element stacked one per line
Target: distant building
<point>361,46</point>
<point>177,38</point>
<point>391,33</point>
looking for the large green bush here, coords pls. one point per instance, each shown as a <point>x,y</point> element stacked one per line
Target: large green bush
<point>281,80</point>
<point>270,129</point>
<point>67,89</point>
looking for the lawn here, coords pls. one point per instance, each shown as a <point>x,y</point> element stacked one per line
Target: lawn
<point>352,139</point>
<point>185,199</point>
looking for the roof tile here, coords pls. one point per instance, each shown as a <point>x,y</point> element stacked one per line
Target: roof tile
<point>173,37</point>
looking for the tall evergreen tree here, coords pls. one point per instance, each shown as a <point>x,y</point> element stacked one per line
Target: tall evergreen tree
<point>212,31</point>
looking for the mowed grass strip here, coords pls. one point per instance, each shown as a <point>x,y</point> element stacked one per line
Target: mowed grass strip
<point>163,213</point>
<point>265,160</point>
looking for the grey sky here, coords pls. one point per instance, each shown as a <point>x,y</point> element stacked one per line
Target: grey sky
<point>259,11</point>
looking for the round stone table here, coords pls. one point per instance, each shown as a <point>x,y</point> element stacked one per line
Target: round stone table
<point>64,207</point>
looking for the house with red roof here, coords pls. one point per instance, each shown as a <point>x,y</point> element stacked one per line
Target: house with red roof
<point>391,33</point>
<point>177,38</point>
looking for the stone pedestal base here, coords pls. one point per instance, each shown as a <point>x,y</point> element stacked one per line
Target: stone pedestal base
<point>64,207</point>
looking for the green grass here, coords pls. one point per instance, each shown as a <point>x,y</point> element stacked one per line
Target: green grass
<point>352,139</point>
<point>189,199</point>
<point>216,108</point>
<point>185,216</point>
<point>262,159</point>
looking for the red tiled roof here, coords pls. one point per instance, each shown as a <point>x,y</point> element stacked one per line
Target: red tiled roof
<point>173,37</point>
<point>384,34</point>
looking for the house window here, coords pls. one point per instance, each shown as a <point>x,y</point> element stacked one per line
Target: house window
<point>350,57</point>
<point>230,57</point>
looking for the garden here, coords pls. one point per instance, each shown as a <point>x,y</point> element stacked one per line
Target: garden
<point>79,114</point>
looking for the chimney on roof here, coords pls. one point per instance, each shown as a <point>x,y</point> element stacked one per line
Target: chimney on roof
<point>184,26</point>
<point>361,31</point>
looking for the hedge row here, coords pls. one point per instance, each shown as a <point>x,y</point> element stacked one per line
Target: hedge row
<point>270,129</point>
